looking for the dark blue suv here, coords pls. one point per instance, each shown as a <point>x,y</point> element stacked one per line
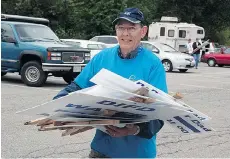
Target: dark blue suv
<point>35,51</point>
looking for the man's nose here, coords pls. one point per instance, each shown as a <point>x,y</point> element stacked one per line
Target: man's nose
<point>126,32</point>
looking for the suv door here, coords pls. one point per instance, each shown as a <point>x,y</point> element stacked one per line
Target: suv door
<point>10,47</point>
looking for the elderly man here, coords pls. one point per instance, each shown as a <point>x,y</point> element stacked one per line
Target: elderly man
<point>130,60</point>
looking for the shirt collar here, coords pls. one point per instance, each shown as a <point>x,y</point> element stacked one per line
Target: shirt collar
<point>131,54</point>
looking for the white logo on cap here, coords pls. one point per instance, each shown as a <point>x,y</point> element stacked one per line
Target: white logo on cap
<point>127,13</point>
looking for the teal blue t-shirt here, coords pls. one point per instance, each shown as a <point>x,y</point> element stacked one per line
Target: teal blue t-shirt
<point>145,66</point>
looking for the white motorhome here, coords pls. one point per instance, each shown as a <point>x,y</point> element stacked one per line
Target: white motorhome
<point>173,33</point>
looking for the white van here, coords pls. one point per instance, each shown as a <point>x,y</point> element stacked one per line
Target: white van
<point>94,47</point>
<point>109,40</point>
<point>175,34</point>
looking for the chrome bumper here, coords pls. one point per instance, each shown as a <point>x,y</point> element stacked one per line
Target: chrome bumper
<point>48,67</point>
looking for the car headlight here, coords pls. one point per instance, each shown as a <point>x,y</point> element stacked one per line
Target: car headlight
<point>55,54</point>
<point>87,54</point>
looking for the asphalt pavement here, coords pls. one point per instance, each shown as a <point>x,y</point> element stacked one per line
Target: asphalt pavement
<point>206,89</point>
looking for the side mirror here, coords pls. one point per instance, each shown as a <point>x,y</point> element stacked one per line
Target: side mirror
<point>155,51</point>
<point>9,40</point>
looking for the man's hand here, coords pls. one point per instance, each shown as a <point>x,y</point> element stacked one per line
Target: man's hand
<point>143,92</point>
<point>114,131</point>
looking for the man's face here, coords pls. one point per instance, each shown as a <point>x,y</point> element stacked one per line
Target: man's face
<point>129,35</point>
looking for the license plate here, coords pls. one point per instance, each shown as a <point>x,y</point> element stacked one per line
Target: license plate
<point>76,69</point>
<point>82,67</point>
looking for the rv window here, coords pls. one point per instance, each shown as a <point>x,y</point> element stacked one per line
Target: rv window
<point>162,32</point>
<point>199,31</point>
<point>182,33</point>
<point>171,33</point>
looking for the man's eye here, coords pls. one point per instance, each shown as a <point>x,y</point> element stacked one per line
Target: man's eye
<point>132,28</point>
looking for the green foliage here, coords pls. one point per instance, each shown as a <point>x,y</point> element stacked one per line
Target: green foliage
<point>224,36</point>
<point>85,19</point>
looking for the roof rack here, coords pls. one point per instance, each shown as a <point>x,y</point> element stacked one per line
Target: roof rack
<point>19,18</point>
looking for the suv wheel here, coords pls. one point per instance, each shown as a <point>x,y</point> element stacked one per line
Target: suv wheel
<point>167,65</point>
<point>32,74</point>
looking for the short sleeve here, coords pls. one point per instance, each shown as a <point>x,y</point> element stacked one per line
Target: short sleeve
<point>83,79</point>
<point>157,77</point>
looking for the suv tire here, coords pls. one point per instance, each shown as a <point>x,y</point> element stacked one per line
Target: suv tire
<point>32,74</point>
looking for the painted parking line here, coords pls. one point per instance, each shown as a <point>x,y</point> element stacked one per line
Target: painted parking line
<point>46,89</point>
<point>189,85</point>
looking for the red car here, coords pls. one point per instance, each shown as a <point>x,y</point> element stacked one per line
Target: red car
<point>220,58</point>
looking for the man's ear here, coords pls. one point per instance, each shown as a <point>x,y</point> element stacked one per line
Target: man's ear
<point>144,30</point>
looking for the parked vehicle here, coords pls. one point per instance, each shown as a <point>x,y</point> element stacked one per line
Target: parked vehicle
<point>34,51</point>
<point>176,34</point>
<point>170,57</point>
<point>109,40</point>
<point>93,46</point>
<point>212,47</point>
<point>219,58</point>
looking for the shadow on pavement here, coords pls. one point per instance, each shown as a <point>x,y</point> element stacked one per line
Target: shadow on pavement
<point>17,80</point>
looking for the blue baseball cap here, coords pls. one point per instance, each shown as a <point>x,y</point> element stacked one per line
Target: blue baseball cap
<point>133,15</point>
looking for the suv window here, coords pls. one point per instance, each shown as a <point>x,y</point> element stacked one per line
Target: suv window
<point>6,32</point>
<point>33,32</point>
<point>108,40</point>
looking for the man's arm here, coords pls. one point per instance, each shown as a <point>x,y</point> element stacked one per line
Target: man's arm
<point>158,79</point>
<point>80,82</point>
<point>70,88</point>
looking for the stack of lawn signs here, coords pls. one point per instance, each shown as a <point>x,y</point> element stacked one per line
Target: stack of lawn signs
<point>110,102</point>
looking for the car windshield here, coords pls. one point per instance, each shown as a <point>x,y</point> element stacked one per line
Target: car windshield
<point>35,33</point>
<point>167,48</point>
<point>217,47</point>
<point>72,43</point>
<point>96,46</point>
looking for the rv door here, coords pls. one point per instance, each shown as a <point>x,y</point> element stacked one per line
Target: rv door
<point>171,36</point>
<point>182,39</point>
